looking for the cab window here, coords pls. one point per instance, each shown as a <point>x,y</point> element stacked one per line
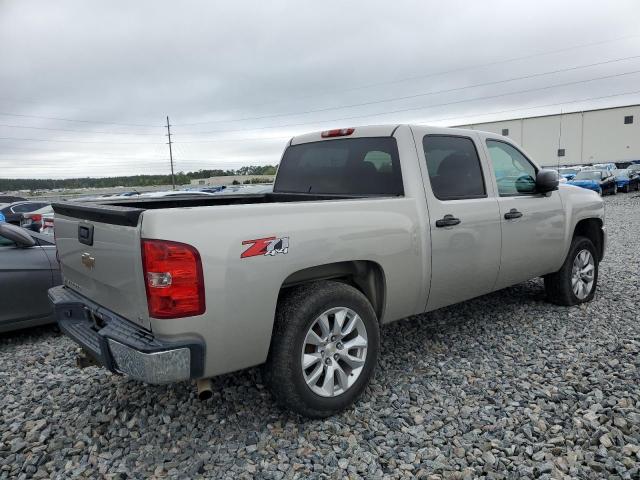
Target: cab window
<point>454,167</point>
<point>515,174</point>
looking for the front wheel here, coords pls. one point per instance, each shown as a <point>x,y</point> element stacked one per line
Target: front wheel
<point>324,348</point>
<point>615,190</point>
<point>576,280</point>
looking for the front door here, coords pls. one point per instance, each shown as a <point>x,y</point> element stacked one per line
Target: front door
<point>463,218</point>
<point>533,224</point>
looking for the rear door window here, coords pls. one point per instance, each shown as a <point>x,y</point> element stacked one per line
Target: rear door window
<point>454,167</point>
<point>353,166</point>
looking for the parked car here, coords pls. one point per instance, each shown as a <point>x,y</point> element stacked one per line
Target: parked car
<point>10,199</point>
<point>610,167</point>
<point>627,180</point>
<point>14,211</point>
<point>362,228</point>
<point>568,173</point>
<point>40,220</point>
<point>634,167</point>
<point>601,181</point>
<point>28,268</point>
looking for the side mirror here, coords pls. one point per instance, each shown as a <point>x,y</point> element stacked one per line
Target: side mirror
<point>547,180</point>
<point>16,234</point>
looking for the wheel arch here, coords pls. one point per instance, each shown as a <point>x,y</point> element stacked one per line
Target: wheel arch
<point>592,229</point>
<point>365,275</point>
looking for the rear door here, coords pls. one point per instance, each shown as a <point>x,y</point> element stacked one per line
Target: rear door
<point>100,257</point>
<point>533,225</point>
<point>463,218</point>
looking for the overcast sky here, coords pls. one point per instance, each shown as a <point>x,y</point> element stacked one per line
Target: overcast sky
<point>85,87</point>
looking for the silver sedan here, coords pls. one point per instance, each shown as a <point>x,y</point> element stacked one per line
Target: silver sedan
<point>28,268</point>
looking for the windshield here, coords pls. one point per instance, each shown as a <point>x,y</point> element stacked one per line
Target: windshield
<point>567,171</point>
<point>622,173</point>
<point>353,166</point>
<point>590,175</point>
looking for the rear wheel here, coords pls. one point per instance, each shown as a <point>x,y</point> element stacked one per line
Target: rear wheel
<point>576,280</point>
<point>324,348</point>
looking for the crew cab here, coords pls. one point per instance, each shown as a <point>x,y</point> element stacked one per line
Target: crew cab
<point>365,226</point>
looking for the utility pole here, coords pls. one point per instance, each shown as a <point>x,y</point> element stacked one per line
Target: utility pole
<point>173,178</point>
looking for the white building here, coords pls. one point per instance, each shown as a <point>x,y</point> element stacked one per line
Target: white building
<point>577,138</point>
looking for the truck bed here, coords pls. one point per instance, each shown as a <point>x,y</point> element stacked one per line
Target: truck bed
<point>126,211</point>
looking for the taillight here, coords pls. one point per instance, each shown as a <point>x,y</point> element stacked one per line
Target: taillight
<point>35,217</point>
<point>338,132</point>
<point>173,279</point>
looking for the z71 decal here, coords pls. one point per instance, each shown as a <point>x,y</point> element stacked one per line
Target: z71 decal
<point>265,246</point>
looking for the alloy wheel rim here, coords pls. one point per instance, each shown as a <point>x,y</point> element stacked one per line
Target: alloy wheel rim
<point>582,274</point>
<point>334,352</point>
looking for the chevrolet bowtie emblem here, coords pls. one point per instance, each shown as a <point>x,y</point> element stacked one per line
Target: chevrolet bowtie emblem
<point>88,261</point>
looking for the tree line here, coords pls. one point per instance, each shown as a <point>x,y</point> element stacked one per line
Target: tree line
<point>182,178</point>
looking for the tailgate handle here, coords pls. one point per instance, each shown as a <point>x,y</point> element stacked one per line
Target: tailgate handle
<point>85,234</point>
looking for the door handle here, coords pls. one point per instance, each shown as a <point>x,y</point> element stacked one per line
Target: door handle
<point>447,221</point>
<point>513,213</point>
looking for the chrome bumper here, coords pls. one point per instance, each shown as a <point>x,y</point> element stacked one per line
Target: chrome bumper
<point>123,347</point>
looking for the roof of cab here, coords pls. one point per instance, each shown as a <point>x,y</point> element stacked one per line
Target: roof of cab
<point>376,131</point>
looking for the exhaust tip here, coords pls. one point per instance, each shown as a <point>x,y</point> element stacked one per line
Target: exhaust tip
<point>205,395</point>
<point>205,389</point>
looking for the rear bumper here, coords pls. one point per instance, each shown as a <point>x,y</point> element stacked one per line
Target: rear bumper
<point>123,347</point>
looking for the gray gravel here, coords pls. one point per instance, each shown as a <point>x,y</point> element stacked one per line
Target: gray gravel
<point>505,386</point>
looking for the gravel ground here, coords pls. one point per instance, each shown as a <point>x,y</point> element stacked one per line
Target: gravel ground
<point>504,386</point>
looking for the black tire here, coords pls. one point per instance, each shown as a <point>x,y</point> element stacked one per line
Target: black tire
<point>615,190</point>
<point>558,284</point>
<point>296,312</point>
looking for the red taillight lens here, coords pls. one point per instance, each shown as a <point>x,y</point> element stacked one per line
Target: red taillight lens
<point>173,279</point>
<point>35,217</point>
<point>338,132</point>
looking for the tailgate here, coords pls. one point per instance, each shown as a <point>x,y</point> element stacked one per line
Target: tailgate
<point>100,256</point>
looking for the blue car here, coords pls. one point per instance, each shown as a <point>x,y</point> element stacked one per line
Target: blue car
<point>568,173</point>
<point>600,181</point>
<point>627,180</point>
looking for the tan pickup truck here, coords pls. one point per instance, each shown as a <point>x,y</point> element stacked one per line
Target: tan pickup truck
<point>364,226</point>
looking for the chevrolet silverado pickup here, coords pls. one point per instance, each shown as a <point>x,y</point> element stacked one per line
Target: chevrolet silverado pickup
<point>364,226</point>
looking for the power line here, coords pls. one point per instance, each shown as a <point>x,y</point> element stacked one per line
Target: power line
<point>443,72</point>
<point>76,131</point>
<point>424,94</point>
<point>520,109</point>
<point>425,107</point>
<point>78,141</point>
<point>7,114</point>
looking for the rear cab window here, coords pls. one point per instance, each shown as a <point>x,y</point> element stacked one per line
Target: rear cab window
<point>351,166</point>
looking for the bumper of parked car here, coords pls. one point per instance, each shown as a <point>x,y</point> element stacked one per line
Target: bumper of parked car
<point>622,183</point>
<point>123,347</point>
